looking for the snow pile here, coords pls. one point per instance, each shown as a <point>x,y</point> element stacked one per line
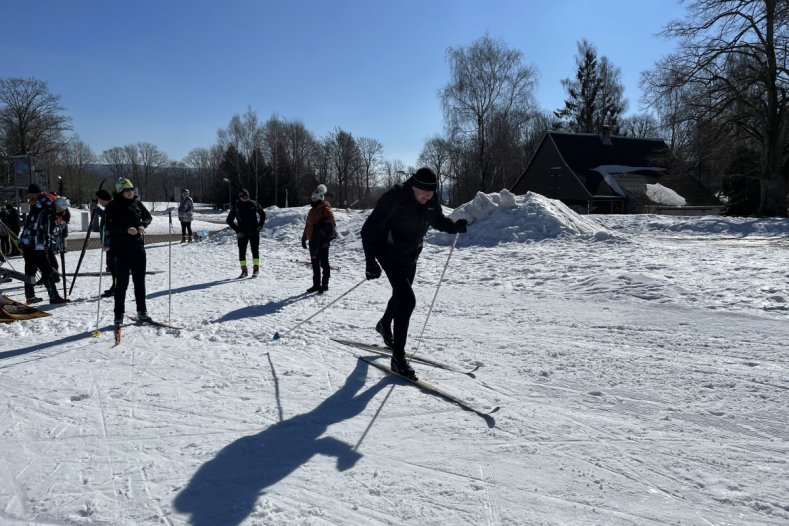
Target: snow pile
<point>503,217</point>
<point>661,195</point>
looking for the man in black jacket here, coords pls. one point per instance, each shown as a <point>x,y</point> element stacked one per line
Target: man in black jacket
<point>126,220</point>
<point>393,235</point>
<point>247,219</point>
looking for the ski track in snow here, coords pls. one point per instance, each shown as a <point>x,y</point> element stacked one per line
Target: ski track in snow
<point>642,380</point>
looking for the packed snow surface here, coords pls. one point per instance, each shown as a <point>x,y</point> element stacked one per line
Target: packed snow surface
<point>640,364</point>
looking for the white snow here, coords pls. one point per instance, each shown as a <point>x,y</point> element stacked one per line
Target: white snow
<point>609,170</point>
<point>640,363</point>
<point>661,195</point>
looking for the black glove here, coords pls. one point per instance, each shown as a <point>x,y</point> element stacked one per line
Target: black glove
<point>372,270</point>
<point>461,226</point>
<point>303,243</point>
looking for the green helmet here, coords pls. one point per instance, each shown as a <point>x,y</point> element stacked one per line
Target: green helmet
<point>123,184</point>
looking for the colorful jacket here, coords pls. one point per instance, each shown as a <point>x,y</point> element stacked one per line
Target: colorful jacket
<point>38,229</point>
<point>320,229</point>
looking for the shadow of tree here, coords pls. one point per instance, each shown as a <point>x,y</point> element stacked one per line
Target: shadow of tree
<point>225,489</point>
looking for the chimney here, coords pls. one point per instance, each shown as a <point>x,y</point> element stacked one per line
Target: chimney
<point>605,134</point>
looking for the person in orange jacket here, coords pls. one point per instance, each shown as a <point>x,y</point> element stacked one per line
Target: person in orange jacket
<point>318,234</point>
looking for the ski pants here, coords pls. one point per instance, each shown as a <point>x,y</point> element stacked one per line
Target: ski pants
<point>254,243</point>
<point>129,258</point>
<point>39,260</point>
<point>402,302</point>
<point>186,227</point>
<point>321,261</point>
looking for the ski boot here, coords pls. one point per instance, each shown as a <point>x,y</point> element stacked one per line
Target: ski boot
<point>315,288</point>
<point>34,299</point>
<point>142,316</point>
<point>255,271</point>
<point>401,366</point>
<point>386,333</point>
<point>244,273</point>
<point>110,292</point>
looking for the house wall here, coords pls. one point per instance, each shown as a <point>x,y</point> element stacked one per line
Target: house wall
<point>539,177</point>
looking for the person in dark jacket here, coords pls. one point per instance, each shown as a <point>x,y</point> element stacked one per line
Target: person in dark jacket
<point>185,214</point>
<point>103,198</point>
<point>319,232</point>
<point>36,240</point>
<point>126,221</point>
<point>246,219</point>
<point>393,235</point>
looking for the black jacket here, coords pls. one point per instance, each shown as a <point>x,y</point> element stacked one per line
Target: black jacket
<point>120,215</point>
<point>246,217</point>
<point>396,228</point>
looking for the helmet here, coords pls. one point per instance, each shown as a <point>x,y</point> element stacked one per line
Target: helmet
<point>123,184</point>
<point>62,202</point>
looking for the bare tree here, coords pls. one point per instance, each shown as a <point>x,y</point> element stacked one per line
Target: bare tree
<point>641,125</point>
<point>152,160</point>
<point>370,151</point>
<point>435,155</point>
<point>115,159</point>
<point>733,63</point>
<point>74,161</point>
<point>346,162</point>
<point>487,79</point>
<point>31,118</point>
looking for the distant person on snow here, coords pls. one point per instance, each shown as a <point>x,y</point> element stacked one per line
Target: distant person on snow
<point>36,240</point>
<point>126,220</point>
<point>319,232</point>
<point>103,197</point>
<point>246,219</point>
<point>393,235</point>
<point>185,214</point>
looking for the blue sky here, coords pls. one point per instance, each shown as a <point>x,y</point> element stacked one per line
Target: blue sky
<point>173,72</point>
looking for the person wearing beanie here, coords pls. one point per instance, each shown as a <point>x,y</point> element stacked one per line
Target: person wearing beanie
<point>185,214</point>
<point>36,239</point>
<point>126,221</point>
<point>246,219</point>
<point>392,238</point>
<point>319,232</point>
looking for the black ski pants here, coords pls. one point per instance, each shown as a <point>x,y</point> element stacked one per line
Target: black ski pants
<point>39,260</point>
<point>186,227</point>
<point>402,302</point>
<point>129,258</point>
<point>318,263</point>
<point>254,243</point>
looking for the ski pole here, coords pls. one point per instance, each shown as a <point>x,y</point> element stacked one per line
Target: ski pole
<point>419,341</point>
<point>170,267</point>
<point>97,332</point>
<point>278,335</point>
<point>85,244</point>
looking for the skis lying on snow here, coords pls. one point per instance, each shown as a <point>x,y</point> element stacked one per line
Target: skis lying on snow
<point>430,388</point>
<point>387,351</point>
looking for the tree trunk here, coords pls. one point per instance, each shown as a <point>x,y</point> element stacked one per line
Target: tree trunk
<point>772,199</point>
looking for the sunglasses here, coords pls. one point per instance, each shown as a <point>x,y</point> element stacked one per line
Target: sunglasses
<point>243,197</point>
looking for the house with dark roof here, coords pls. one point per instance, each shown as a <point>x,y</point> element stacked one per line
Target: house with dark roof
<point>604,173</point>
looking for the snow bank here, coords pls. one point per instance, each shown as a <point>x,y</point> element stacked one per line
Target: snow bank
<point>661,195</point>
<point>502,217</point>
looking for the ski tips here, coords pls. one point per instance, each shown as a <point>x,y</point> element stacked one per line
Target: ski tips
<point>276,336</point>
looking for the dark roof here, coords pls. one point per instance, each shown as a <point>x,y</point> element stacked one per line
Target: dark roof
<point>695,194</point>
<point>584,151</point>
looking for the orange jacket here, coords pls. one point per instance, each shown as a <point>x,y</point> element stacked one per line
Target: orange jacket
<point>315,217</point>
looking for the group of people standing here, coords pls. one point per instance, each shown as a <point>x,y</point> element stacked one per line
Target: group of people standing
<point>392,239</point>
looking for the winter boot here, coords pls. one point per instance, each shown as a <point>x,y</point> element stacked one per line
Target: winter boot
<point>316,287</point>
<point>33,299</point>
<point>58,301</point>
<point>324,285</point>
<point>143,316</point>
<point>386,333</point>
<point>189,240</point>
<point>401,366</point>
<point>110,292</point>
<point>183,240</point>
<point>244,272</point>
<point>255,271</point>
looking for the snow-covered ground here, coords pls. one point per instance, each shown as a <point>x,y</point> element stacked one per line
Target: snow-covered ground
<point>640,363</point>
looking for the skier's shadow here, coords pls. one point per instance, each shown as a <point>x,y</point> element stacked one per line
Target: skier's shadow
<point>225,489</point>
<point>198,286</point>
<point>253,311</point>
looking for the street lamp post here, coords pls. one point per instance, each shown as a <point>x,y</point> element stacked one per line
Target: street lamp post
<point>229,192</point>
<point>60,185</point>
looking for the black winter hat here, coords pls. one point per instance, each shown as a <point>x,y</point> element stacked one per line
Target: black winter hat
<point>243,193</point>
<point>104,194</point>
<point>33,189</point>
<point>425,179</point>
